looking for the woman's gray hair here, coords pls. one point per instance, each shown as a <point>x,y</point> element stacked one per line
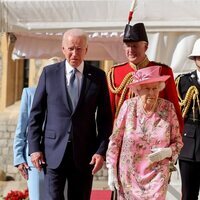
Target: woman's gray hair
<point>136,89</point>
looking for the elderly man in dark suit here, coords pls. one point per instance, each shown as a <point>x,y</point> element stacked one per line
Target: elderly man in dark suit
<point>72,98</point>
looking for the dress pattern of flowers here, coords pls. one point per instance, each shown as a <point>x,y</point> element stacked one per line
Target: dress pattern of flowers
<point>135,134</point>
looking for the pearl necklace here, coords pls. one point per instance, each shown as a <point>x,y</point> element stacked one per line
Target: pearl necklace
<point>145,113</point>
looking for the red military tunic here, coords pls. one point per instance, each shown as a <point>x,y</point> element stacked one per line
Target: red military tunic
<point>121,75</point>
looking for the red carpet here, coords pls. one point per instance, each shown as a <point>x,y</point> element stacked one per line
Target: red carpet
<point>100,195</point>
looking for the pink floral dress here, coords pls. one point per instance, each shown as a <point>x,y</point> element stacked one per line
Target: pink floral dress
<point>134,135</point>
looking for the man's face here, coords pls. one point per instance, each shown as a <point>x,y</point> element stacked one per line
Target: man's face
<point>135,51</point>
<point>74,49</point>
<point>197,61</point>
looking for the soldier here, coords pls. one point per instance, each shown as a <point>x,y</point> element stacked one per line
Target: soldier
<point>135,45</point>
<point>188,87</point>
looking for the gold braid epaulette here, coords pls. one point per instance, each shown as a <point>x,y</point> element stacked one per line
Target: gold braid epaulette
<point>122,88</point>
<point>192,94</point>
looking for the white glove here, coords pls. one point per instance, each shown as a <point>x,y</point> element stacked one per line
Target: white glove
<point>112,179</point>
<point>160,154</point>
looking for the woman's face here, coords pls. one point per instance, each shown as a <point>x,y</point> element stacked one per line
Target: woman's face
<point>149,93</point>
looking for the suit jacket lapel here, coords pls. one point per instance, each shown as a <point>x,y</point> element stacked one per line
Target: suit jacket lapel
<point>62,77</point>
<point>85,84</point>
<point>87,75</point>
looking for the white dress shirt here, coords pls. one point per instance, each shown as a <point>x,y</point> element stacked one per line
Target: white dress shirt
<point>79,74</point>
<point>198,76</point>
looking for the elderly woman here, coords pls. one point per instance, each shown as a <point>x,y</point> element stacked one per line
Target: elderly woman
<point>145,140</point>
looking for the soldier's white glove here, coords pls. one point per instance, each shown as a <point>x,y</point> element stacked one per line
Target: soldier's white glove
<point>160,154</point>
<point>112,179</point>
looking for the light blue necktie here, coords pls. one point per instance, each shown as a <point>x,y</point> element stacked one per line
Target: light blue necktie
<point>73,88</point>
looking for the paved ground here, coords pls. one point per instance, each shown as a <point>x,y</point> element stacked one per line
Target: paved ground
<point>172,194</point>
<point>5,187</point>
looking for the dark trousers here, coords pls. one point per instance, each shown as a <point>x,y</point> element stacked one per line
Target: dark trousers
<point>79,183</point>
<point>190,177</point>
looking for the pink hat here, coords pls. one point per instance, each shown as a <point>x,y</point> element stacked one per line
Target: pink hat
<point>148,75</point>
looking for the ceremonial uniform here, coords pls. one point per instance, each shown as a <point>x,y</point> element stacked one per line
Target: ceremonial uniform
<point>189,160</point>
<point>120,76</point>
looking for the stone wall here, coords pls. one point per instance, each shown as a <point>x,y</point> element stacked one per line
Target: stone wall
<point>8,121</point>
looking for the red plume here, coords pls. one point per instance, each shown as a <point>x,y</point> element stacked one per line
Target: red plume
<point>131,11</point>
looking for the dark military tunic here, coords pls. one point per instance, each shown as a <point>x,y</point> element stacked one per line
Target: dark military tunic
<point>189,158</point>
<point>191,133</point>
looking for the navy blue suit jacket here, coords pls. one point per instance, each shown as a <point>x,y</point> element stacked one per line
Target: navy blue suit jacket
<point>90,123</point>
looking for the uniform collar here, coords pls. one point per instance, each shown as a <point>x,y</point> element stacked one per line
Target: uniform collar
<point>198,76</point>
<point>140,65</point>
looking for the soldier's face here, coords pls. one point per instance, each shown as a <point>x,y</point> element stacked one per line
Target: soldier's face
<point>135,51</point>
<point>197,61</point>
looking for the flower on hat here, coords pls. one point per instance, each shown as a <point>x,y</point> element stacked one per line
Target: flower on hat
<point>148,75</point>
<point>139,76</point>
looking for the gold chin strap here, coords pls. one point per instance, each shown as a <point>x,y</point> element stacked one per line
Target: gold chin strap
<point>192,94</point>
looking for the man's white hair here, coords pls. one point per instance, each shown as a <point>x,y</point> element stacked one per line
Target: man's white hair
<point>75,33</point>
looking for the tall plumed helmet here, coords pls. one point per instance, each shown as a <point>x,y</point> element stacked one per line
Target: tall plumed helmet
<point>135,33</point>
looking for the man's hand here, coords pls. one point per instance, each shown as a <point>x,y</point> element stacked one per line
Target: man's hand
<point>23,169</point>
<point>97,161</point>
<point>160,154</point>
<point>37,159</point>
